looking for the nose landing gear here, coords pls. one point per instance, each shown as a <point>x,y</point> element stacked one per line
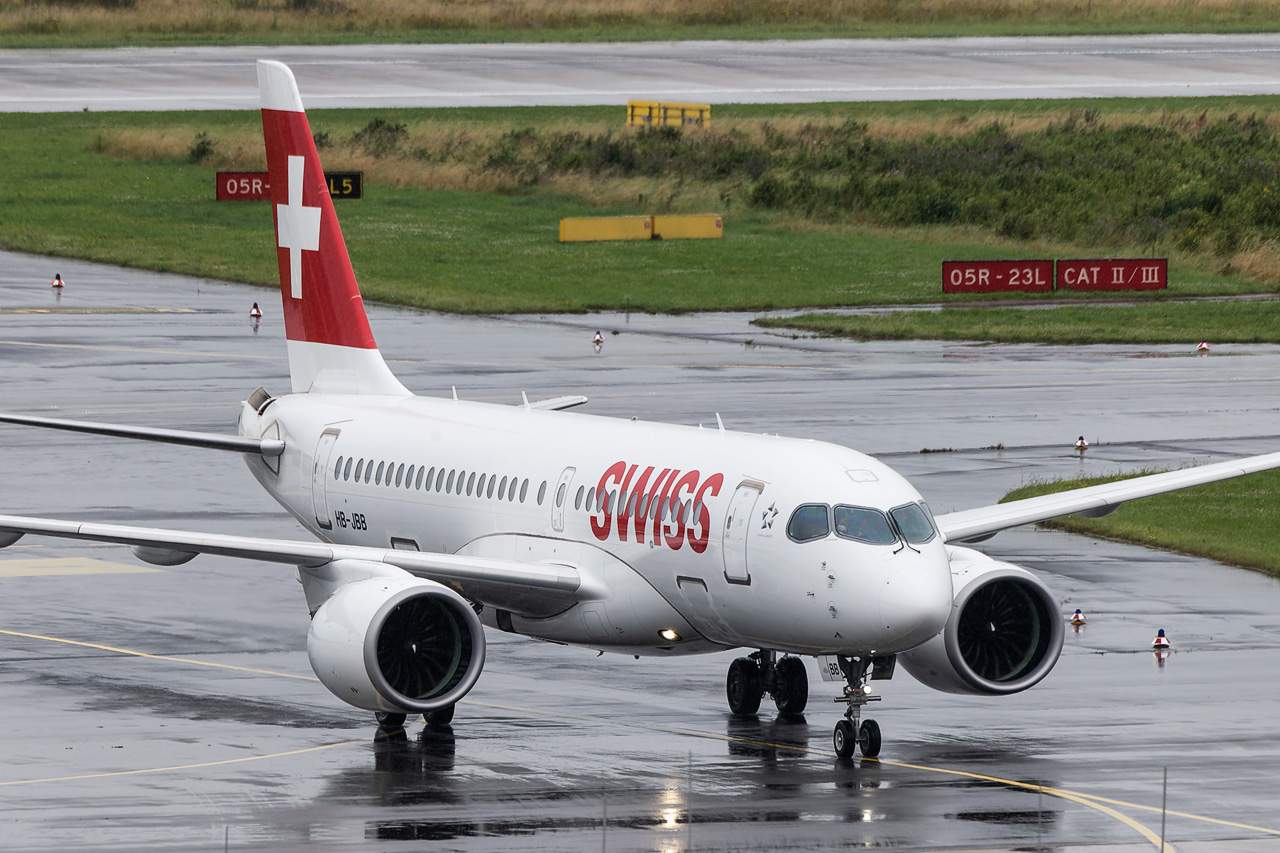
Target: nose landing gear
<point>849,733</point>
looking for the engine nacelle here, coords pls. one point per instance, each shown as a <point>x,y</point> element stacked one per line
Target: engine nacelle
<point>399,644</point>
<point>1004,635</point>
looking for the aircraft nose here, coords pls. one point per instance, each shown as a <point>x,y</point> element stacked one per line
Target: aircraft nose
<point>915,601</point>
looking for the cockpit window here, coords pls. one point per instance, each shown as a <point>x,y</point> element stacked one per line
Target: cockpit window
<point>864,525</point>
<point>913,522</point>
<point>809,522</point>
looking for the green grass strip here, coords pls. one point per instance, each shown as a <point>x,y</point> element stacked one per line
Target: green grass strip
<point>1231,521</point>
<point>1237,321</point>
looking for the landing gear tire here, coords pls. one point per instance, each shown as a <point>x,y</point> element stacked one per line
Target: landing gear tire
<point>869,738</point>
<point>743,687</point>
<point>843,739</point>
<point>440,716</point>
<point>790,686</point>
<point>388,720</point>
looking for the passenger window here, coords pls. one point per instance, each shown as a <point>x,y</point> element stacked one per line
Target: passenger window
<point>542,492</point>
<point>399,475</point>
<point>480,488</point>
<point>643,507</point>
<point>471,482</point>
<point>560,494</point>
<point>492,482</point>
<point>346,472</point>
<point>408,478</point>
<point>864,525</point>
<point>462,482</point>
<point>421,471</point>
<point>502,489</point>
<point>524,489</point>
<point>577,499</point>
<point>449,487</point>
<point>631,505</point>
<point>809,522</point>
<point>591,498</point>
<point>913,522</point>
<point>368,471</point>
<point>337,469</point>
<point>377,478</point>
<point>440,479</point>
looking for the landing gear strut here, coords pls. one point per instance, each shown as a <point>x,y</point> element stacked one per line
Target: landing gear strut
<point>764,672</point>
<point>849,733</point>
<point>438,717</point>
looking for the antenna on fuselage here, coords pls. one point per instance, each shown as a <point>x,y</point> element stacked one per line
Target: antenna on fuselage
<point>454,388</point>
<point>525,397</point>
<point>719,422</point>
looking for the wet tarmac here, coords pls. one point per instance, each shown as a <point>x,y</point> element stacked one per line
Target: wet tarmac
<point>714,72</point>
<point>146,709</point>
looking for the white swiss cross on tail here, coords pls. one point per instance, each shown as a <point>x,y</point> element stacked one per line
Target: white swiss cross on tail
<point>298,226</point>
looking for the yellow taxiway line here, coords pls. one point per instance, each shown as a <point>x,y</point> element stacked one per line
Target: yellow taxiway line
<point>1098,803</point>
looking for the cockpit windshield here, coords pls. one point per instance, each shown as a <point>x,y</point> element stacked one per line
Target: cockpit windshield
<point>914,523</point>
<point>808,522</point>
<point>863,525</point>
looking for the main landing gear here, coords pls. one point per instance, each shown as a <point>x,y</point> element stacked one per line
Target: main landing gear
<point>438,717</point>
<point>763,672</point>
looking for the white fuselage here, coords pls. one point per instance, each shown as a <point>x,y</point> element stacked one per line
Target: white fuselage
<point>691,536</point>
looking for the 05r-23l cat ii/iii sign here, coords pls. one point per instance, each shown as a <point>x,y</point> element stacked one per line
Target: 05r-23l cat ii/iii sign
<point>437,517</point>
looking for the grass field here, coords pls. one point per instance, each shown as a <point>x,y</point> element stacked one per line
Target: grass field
<point>454,220</point>
<point>46,24</point>
<point>1232,521</point>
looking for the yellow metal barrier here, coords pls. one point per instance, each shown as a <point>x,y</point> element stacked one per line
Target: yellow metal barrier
<point>582,229</point>
<point>658,113</point>
<point>710,226</point>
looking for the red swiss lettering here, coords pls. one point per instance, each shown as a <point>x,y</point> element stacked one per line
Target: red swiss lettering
<point>712,484</point>
<point>602,525</point>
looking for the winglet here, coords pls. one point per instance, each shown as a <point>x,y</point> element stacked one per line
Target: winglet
<point>331,347</point>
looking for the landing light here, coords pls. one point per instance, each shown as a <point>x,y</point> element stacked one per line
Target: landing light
<point>669,635</point>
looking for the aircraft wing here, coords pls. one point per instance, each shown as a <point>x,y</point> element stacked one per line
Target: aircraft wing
<point>531,589</point>
<point>975,525</point>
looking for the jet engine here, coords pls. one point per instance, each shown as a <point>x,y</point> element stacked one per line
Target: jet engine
<point>398,644</point>
<point>1004,634</point>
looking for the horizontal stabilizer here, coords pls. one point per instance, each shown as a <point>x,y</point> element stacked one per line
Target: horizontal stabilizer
<point>210,440</point>
<point>558,403</point>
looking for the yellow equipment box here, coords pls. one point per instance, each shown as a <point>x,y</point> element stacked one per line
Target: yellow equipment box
<point>580,229</point>
<point>710,226</point>
<point>658,113</point>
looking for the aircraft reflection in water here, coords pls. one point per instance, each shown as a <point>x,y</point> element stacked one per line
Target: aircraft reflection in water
<point>438,517</point>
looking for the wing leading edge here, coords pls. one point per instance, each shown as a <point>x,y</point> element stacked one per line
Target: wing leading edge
<point>532,589</point>
<point>974,525</point>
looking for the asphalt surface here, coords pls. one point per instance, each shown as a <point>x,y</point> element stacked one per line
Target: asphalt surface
<point>702,72</point>
<point>174,709</point>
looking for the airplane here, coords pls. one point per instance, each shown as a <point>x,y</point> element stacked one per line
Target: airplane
<point>438,518</point>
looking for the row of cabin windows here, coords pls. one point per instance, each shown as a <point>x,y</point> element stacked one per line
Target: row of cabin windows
<point>635,504</point>
<point>449,481</point>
